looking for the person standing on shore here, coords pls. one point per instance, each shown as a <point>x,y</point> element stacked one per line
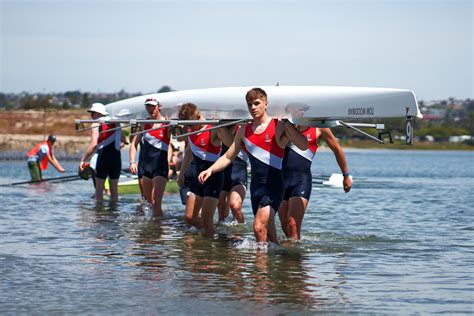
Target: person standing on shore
<point>40,156</point>
<point>264,139</point>
<point>297,173</point>
<point>107,145</point>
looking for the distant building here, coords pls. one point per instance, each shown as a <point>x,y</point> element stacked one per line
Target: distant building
<point>460,139</point>
<point>430,114</point>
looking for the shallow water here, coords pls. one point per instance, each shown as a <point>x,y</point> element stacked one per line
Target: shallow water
<point>400,241</point>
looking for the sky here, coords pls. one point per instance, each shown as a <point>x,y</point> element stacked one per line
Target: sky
<point>140,46</point>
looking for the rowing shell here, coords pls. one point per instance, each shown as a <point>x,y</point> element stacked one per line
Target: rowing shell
<point>321,103</point>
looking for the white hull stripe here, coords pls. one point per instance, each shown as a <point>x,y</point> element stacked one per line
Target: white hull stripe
<point>155,142</point>
<point>204,155</point>
<point>263,155</point>
<point>308,154</point>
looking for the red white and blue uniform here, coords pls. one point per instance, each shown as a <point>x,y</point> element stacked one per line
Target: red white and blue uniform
<point>205,154</point>
<point>236,172</point>
<point>297,166</point>
<point>266,159</point>
<point>155,148</point>
<point>109,160</point>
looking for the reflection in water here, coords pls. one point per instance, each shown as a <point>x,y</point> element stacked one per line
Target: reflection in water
<point>166,251</point>
<point>162,250</point>
<point>385,248</point>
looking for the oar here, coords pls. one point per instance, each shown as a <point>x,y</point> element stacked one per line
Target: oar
<point>68,178</point>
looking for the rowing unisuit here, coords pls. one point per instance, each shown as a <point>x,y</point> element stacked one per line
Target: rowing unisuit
<point>109,161</point>
<point>266,158</point>
<point>155,145</point>
<point>297,166</point>
<point>205,154</point>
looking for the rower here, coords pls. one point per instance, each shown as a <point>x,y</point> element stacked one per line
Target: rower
<point>154,156</point>
<point>39,157</point>
<point>204,148</point>
<point>106,141</point>
<point>297,173</point>
<point>235,185</point>
<point>264,139</point>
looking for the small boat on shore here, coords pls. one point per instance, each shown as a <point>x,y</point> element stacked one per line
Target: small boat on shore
<point>131,187</point>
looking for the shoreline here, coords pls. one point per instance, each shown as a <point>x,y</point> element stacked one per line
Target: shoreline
<point>16,146</point>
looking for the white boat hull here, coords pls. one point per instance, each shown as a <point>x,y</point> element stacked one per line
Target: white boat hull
<point>324,103</point>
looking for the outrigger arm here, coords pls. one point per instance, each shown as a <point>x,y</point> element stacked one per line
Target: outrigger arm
<point>379,127</point>
<point>168,123</point>
<point>331,123</point>
<point>228,122</point>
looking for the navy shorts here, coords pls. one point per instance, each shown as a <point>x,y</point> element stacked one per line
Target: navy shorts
<point>264,196</point>
<point>156,164</point>
<point>211,188</point>
<point>141,169</point>
<point>109,163</point>
<point>297,185</point>
<point>235,174</point>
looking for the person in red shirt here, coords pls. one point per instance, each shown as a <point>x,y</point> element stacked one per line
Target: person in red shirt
<point>40,156</point>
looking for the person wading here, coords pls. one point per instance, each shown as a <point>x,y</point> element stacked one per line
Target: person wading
<point>40,156</point>
<point>107,145</point>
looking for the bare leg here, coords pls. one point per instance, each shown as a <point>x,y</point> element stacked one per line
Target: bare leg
<point>191,214</point>
<point>271,229</point>
<point>260,223</point>
<point>207,215</point>
<point>99,189</point>
<point>297,207</point>
<point>283,214</point>
<point>148,189</point>
<point>113,185</point>
<point>237,196</point>
<point>159,184</point>
<point>223,206</point>
<point>140,184</point>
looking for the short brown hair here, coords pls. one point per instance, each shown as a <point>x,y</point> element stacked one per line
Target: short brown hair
<point>255,93</point>
<point>188,111</point>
